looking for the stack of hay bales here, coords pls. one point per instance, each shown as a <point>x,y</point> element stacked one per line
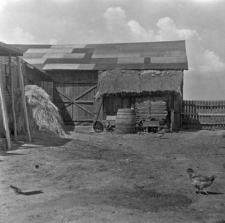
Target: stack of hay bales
<point>42,113</point>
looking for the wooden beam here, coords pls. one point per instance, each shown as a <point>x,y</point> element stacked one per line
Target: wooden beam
<point>4,113</point>
<point>23,98</point>
<point>70,103</point>
<point>86,102</point>
<point>80,96</point>
<point>13,101</point>
<point>81,120</point>
<point>172,121</point>
<point>98,105</point>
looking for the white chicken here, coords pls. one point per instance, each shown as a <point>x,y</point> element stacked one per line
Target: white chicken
<point>199,181</point>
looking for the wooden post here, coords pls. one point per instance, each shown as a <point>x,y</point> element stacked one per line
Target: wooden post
<point>13,101</point>
<point>23,97</point>
<point>97,108</point>
<point>4,113</point>
<point>171,120</point>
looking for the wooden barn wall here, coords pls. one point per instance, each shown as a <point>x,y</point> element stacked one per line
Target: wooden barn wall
<point>73,84</point>
<point>4,66</point>
<point>31,76</point>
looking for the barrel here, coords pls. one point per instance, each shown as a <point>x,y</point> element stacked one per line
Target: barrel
<point>125,121</point>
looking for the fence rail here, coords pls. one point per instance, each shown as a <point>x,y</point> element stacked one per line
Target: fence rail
<point>203,114</point>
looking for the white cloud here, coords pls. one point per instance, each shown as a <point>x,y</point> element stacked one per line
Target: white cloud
<point>139,33</point>
<point>115,18</point>
<point>167,30</point>
<point>116,21</point>
<point>2,4</point>
<point>21,36</point>
<point>207,1</point>
<point>211,62</point>
<point>53,41</point>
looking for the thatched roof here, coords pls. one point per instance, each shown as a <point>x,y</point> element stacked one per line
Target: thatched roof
<point>138,82</point>
<point>128,56</point>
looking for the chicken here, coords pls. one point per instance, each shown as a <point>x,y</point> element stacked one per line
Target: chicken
<point>160,133</point>
<point>199,181</point>
<point>109,127</point>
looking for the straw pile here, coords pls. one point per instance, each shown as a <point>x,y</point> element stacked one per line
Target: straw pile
<point>42,113</point>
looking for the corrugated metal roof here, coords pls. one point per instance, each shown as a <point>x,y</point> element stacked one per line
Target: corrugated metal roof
<point>140,56</point>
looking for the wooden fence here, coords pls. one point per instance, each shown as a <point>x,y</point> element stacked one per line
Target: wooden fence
<point>203,114</point>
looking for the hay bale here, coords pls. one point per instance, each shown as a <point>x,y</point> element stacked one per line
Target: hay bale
<point>42,113</point>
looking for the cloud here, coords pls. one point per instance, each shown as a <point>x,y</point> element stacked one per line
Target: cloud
<point>115,18</point>
<point>207,1</point>
<point>167,30</point>
<point>21,36</point>
<point>139,33</point>
<point>211,62</point>
<point>3,4</point>
<point>53,41</point>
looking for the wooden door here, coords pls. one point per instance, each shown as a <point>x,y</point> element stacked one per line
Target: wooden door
<point>75,101</point>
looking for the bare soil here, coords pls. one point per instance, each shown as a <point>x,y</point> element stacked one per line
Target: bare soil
<point>104,177</point>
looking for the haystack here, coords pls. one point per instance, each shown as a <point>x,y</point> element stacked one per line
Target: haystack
<point>42,113</point>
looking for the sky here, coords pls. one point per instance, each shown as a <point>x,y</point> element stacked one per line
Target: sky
<point>201,23</point>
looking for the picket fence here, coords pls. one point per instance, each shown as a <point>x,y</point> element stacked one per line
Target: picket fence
<point>203,114</point>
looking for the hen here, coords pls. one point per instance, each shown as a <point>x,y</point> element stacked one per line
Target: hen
<point>160,133</point>
<point>199,181</point>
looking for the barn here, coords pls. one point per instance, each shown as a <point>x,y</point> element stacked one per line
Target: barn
<point>145,75</point>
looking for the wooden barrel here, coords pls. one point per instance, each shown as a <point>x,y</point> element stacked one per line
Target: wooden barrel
<point>125,121</point>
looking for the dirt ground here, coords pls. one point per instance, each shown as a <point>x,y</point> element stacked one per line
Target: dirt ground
<point>104,177</point>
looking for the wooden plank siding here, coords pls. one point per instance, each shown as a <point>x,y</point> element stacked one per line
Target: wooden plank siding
<point>48,87</point>
<point>30,76</point>
<point>4,66</point>
<point>203,114</point>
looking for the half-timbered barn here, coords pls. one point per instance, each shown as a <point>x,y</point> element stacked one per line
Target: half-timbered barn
<point>148,76</point>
